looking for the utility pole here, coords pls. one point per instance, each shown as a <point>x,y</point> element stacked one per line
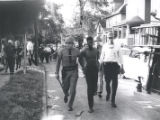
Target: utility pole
<point>36,41</point>
<point>25,54</point>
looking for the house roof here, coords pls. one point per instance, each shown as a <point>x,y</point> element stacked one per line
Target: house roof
<point>103,23</point>
<point>147,25</point>
<point>134,21</point>
<point>122,9</point>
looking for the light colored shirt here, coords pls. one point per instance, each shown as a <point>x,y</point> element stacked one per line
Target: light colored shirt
<point>111,53</point>
<point>30,46</point>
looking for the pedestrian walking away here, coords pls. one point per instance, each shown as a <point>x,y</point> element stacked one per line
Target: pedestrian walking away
<point>10,55</point>
<point>112,61</point>
<point>68,57</point>
<point>89,63</point>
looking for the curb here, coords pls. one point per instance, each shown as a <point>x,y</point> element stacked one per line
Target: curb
<point>45,97</point>
<point>152,96</point>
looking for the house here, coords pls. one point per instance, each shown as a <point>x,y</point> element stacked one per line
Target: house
<point>129,14</point>
<point>101,30</point>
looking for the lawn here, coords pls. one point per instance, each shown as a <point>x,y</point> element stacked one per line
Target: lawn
<point>21,97</point>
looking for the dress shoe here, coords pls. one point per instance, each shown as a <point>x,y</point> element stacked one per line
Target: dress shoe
<point>65,99</point>
<point>91,110</point>
<point>107,97</point>
<point>70,109</point>
<point>100,96</point>
<point>113,105</point>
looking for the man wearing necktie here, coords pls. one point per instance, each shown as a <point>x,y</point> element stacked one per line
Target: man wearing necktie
<point>68,56</point>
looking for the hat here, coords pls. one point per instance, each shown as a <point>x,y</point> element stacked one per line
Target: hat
<point>110,35</point>
<point>69,40</point>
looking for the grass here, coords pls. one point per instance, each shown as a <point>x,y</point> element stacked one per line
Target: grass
<point>21,97</point>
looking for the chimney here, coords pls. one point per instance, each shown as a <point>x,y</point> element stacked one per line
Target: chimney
<point>147,11</point>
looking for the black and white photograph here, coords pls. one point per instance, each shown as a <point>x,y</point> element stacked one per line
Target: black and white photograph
<point>79,59</point>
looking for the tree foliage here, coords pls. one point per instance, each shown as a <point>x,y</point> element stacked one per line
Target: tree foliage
<point>91,11</point>
<point>52,22</point>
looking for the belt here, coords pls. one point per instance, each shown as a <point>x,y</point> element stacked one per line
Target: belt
<point>109,62</point>
<point>69,68</point>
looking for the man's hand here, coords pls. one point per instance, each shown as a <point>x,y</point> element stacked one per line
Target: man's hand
<point>122,71</point>
<point>84,70</point>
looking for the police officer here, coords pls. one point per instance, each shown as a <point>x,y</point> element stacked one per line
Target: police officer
<point>90,68</point>
<point>112,61</point>
<point>68,56</point>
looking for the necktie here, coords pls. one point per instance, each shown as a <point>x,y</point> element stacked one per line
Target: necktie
<point>70,56</point>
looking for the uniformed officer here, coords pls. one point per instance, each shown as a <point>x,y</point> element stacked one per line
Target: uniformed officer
<point>90,68</point>
<point>68,56</point>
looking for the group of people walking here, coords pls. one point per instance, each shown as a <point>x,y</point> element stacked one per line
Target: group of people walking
<point>11,55</point>
<point>92,62</point>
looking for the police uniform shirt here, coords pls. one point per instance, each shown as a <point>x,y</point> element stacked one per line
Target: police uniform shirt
<point>69,59</point>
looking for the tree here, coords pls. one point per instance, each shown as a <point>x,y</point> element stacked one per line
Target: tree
<point>91,11</point>
<point>52,22</point>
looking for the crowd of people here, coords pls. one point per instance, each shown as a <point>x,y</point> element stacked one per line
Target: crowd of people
<point>106,60</point>
<point>11,54</point>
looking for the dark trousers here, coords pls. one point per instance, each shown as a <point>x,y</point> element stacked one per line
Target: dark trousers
<point>18,62</point>
<point>41,57</point>
<point>11,63</point>
<point>46,55</point>
<point>91,79</point>
<point>69,83</point>
<point>111,70</point>
<point>30,59</point>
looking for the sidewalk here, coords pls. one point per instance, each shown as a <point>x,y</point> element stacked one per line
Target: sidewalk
<point>131,104</point>
<point>135,67</point>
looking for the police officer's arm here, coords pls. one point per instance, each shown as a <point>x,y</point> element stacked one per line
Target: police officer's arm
<point>81,58</point>
<point>59,59</point>
<point>102,54</point>
<point>120,58</point>
<point>82,61</point>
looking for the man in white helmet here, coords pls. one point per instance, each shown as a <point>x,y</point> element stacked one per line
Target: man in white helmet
<point>67,57</point>
<point>112,61</point>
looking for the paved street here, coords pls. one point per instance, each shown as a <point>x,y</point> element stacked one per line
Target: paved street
<point>131,104</point>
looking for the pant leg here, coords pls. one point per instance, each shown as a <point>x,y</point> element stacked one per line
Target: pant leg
<point>11,63</point>
<point>94,77</point>
<point>65,81</point>
<point>107,78</point>
<point>73,84</point>
<point>100,82</point>
<point>108,88</point>
<point>91,78</point>
<point>114,88</point>
<point>90,91</point>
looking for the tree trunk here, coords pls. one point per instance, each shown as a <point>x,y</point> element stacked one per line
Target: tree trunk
<point>36,42</point>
